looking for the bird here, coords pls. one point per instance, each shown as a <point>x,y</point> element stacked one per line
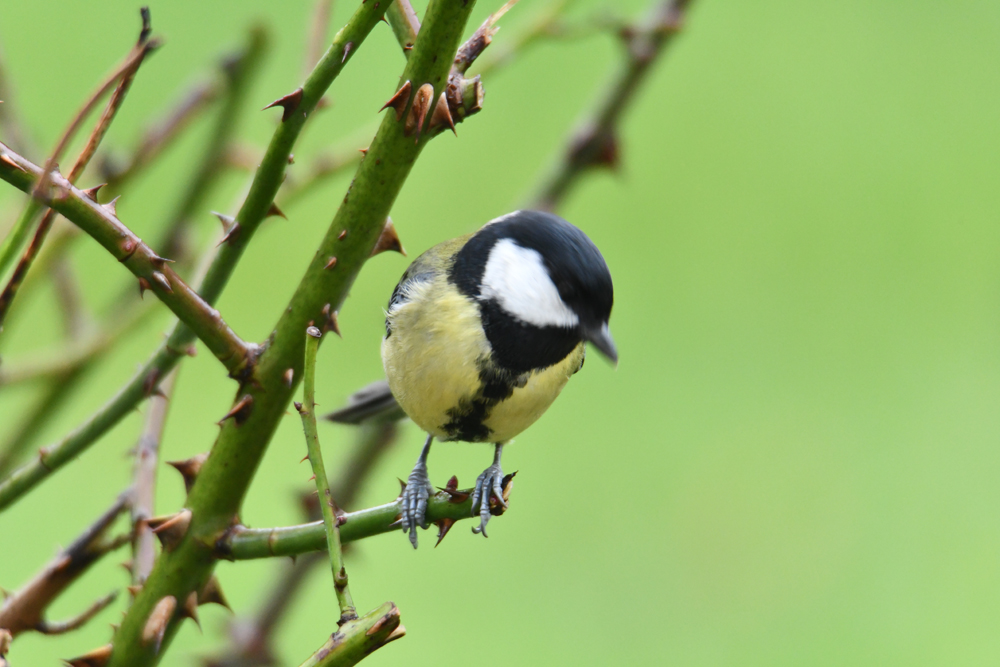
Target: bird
<point>482,333</point>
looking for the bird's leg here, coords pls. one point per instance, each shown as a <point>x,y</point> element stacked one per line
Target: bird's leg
<point>489,483</point>
<point>413,502</point>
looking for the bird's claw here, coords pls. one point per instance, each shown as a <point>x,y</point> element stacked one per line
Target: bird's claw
<point>413,502</point>
<point>488,484</point>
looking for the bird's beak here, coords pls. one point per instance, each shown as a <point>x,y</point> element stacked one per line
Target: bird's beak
<point>600,337</point>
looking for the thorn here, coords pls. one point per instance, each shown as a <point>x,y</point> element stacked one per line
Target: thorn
<point>134,590</point>
<point>289,103</point>
<point>212,593</point>
<point>189,469</point>
<point>451,488</point>
<point>342,235</point>
<point>388,240</point>
<point>240,411</point>
<point>333,325</point>
<point>289,376</point>
<point>162,281</point>
<point>143,286</point>
<point>444,525</point>
<point>231,235</point>
<point>418,112</point>
<point>171,529</point>
<point>127,565</point>
<point>496,508</point>
<point>399,100</point>
<point>96,658</point>
<point>330,263</point>
<point>363,151</point>
<point>159,618</point>
<point>312,479</point>
<point>226,220</point>
<point>274,210</point>
<point>190,609</point>
<point>161,261</point>
<point>291,158</point>
<point>304,459</point>
<point>402,487</point>
<point>442,114</point>
<point>112,206</point>
<point>347,51</point>
<point>114,627</point>
<point>91,193</point>
<point>10,163</point>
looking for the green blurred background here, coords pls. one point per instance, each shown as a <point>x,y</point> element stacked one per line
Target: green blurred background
<point>796,461</point>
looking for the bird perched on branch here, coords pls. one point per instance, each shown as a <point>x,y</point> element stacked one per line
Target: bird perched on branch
<point>481,335</point>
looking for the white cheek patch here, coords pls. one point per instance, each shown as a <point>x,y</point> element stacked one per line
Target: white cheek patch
<point>517,279</point>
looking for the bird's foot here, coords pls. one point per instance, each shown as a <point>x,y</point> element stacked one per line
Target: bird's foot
<point>489,484</point>
<point>413,501</point>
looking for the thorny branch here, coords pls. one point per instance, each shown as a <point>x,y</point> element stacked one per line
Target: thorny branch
<point>153,271</point>
<point>143,47</point>
<point>444,508</point>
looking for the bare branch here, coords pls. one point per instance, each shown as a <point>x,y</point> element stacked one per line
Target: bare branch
<point>144,479</point>
<point>25,610</point>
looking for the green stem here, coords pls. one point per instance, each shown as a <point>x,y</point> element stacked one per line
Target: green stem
<point>327,505</point>
<point>224,478</point>
<point>356,639</point>
<point>249,543</point>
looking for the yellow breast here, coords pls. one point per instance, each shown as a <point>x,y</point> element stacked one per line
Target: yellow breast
<point>433,359</point>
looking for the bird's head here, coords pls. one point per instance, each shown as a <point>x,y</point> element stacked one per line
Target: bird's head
<point>542,285</point>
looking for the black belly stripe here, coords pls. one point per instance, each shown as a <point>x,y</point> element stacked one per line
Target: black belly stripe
<point>467,420</point>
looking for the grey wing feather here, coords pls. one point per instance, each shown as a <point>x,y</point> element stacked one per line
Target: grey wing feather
<point>372,402</point>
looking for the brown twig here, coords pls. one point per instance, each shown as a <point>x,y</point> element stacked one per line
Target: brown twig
<point>25,609</point>
<point>595,141</point>
<point>124,71</point>
<point>124,76</point>
<point>144,479</point>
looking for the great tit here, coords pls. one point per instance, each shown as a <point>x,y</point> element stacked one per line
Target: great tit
<point>483,332</point>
